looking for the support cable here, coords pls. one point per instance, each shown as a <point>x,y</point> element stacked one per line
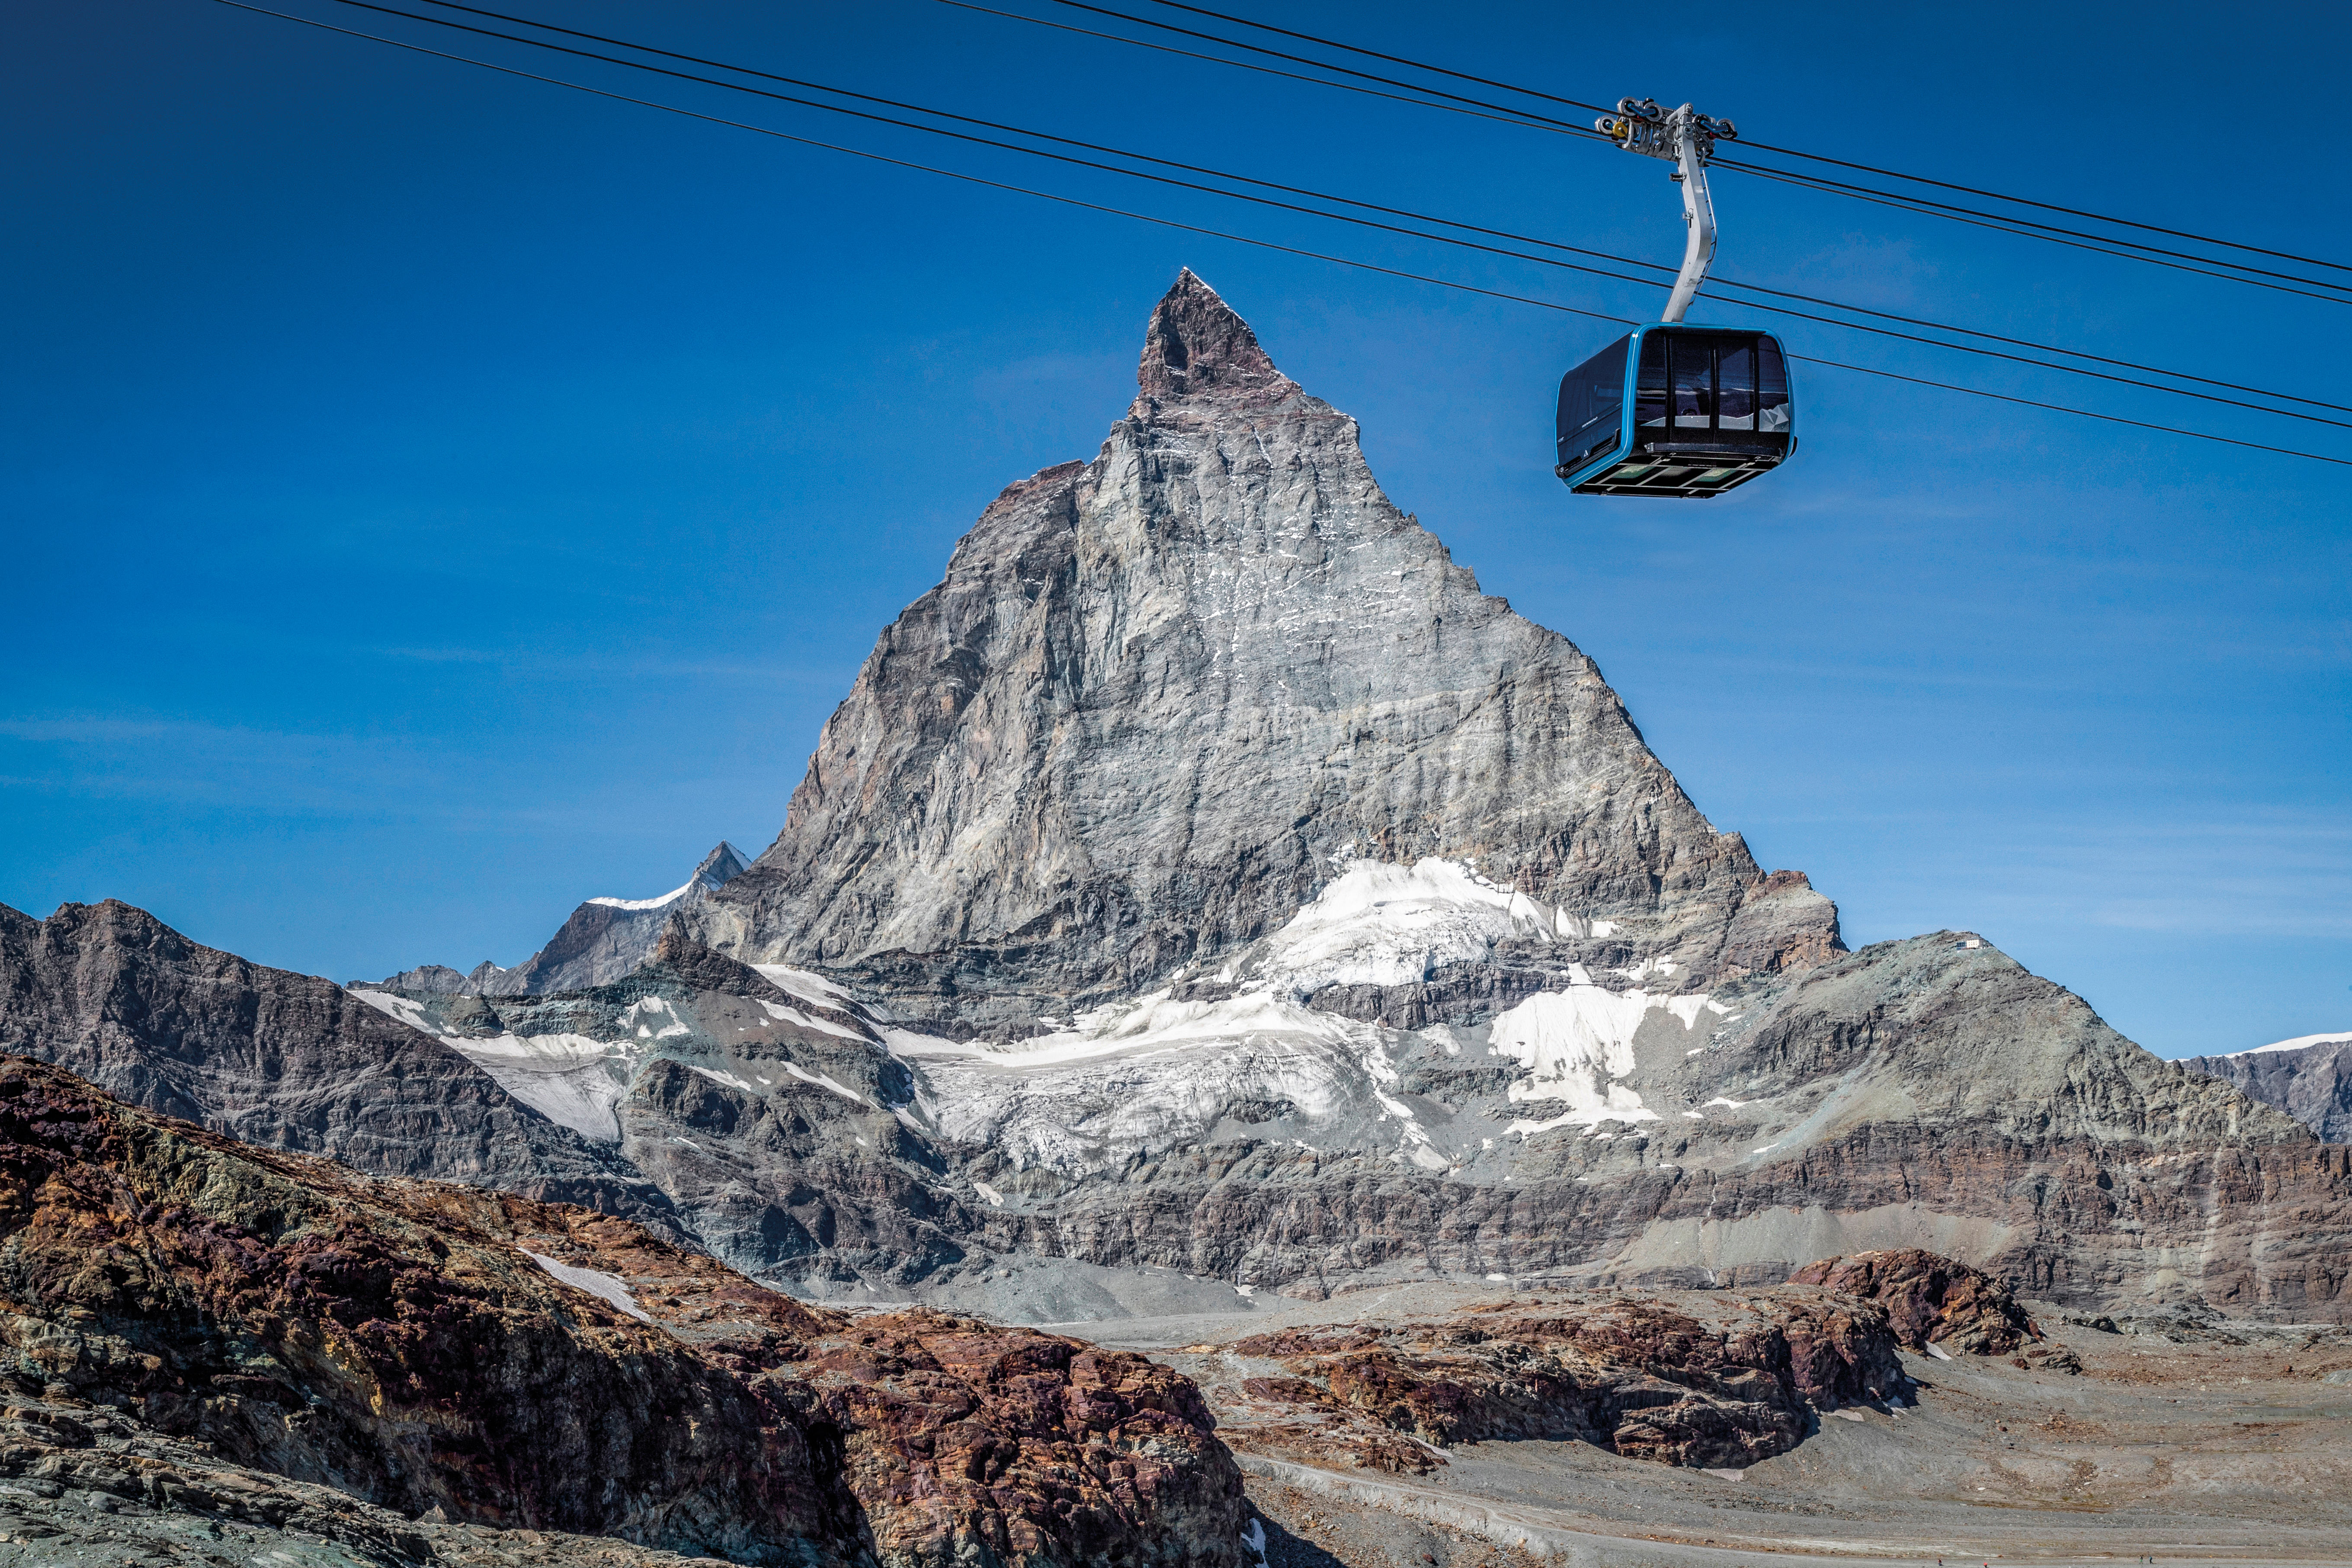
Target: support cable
<point>1345,201</point>
<point>1242,240</point>
<point>1762,146</point>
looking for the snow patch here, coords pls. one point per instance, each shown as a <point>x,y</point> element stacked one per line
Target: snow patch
<point>1577,1044</point>
<point>603,1286</point>
<point>2301,1042</point>
<point>995,1198</point>
<point>570,1079</point>
<point>822,1081</point>
<point>1382,924</point>
<point>399,1008</point>
<point>784,1015</point>
<point>728,1079</point>
<point>808,987</point>
<point>661,903</point>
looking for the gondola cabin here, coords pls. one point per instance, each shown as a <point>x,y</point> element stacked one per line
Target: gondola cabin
<point>1686,412</point>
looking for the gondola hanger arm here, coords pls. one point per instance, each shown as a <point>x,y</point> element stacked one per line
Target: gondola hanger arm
<point>1685,139</point>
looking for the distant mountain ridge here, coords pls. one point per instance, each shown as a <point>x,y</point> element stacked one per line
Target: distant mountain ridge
<point>2309,1077</point>
<point>603,941</point>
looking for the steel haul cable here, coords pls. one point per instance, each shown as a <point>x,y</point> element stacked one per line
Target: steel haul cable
<point>1244,239</point>
<point>1339,217</point>
<point>2024,228</point>
<point>1765,146</point>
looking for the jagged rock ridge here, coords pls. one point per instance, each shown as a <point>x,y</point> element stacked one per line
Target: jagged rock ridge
<point>285,1060</point>
<point>602,941</point>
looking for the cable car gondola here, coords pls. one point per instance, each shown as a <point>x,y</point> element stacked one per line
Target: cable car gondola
<point>1670,409</point>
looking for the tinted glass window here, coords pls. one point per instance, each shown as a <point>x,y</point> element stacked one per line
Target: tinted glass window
<point>1772,408</point>
<point>1735,385</point>
<point>1591,404</point>
<point>1649,389</point>
<point>1694,383</point>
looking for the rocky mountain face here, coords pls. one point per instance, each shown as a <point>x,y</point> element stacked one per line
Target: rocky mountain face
<point>603,941</point>
<point>285,1060</point>
<point>1164,697</point>
<point>429,1349</point>
<point>2309,1079</point>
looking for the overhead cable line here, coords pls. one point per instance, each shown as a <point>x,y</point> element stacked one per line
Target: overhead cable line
<point>2073,239</point>
<point>1506,118</point>
<point>1339,217</point>
<point>2010,223</point>
<point>1762,146</point>
<point>1245,240</point>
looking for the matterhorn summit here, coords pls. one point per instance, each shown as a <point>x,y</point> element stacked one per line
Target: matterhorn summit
<point>1163,697</point>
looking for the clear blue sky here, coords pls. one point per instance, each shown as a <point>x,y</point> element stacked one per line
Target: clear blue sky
<point>432,498</point>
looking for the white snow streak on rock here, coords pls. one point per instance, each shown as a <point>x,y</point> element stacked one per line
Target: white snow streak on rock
<point>593,1281</point>
<point>783,1013</point>
<point>802,983</point>
<point>822,1081</point>
<point>568,1079</point>
<point>397,1007</point>
<point>728,1079</point>
<point>663,901</point>
<point>2299,1043</point>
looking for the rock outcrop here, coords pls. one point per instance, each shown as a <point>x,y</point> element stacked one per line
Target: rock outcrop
<point>2310,1079</point>
<point>421,1346</point>
<point>1720,1385</point>
<point>1929,1300</point>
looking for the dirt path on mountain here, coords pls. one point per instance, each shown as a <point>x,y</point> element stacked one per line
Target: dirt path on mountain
<point>2189,1452</point>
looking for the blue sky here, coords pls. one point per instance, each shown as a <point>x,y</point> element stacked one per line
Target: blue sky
<point>433,497</point>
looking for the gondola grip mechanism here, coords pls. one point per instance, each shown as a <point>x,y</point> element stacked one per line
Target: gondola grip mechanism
<point>1687,139</point>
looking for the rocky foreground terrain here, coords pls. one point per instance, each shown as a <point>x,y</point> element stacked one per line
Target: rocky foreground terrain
<point>1207,896</point>
<point>241,1340</point>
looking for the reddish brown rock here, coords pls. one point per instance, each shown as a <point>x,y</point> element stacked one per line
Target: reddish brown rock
<point>1636,1377</point>
<point>1929,1299</point>
<point>403,1341</point>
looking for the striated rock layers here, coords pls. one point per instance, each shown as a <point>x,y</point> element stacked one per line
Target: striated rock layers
<point>423,1347</point>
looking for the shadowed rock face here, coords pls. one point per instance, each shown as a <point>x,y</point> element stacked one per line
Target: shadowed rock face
<point>285,1060</point>
<point>1163,696</point>
<point>421,1345</point>
<point>2313,1084</point>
